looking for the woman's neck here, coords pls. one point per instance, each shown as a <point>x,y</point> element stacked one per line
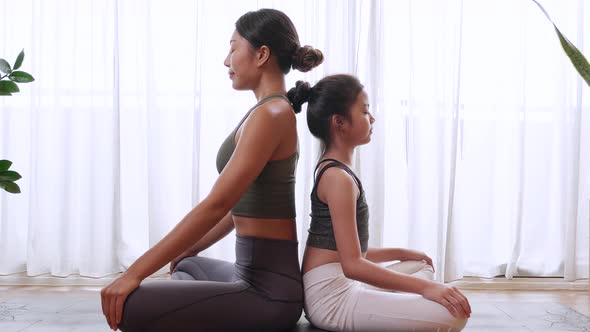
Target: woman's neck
<point>269,85</point>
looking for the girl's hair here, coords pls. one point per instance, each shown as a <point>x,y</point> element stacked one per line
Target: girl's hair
<point>332,95</point>
<point>274,29</point>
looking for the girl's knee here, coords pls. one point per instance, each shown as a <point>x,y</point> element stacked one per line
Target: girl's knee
<point>414,268</point>
<point>452,323</point>
<point>459,324</point>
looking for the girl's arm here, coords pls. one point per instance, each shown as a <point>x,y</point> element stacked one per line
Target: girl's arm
<point>261,135</point>
<point>339,191</point>
<point>380,255</point>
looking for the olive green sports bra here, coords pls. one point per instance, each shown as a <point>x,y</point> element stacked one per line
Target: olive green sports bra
<point>272,194</point>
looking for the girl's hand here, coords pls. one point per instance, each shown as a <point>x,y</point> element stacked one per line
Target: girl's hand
<point>450,297</point>
<point>413,255</point>
<point>180,257</point>
<point>113,297</point>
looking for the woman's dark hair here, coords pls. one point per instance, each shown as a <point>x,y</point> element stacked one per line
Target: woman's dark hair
<point>274,29</point>
<point>332,95</point>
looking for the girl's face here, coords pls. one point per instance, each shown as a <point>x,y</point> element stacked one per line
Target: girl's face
<point>241,63</point>
<point>359,123</point>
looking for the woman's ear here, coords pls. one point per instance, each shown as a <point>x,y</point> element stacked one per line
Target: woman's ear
<point>262,55</point>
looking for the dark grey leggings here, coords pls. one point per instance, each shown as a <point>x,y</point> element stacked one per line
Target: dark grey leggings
<point>262,291</point>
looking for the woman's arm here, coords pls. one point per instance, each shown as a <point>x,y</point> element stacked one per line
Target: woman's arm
<point>260,136</point>
<point>341,199</point>
<point>224,227</point>
<point>218,232</point>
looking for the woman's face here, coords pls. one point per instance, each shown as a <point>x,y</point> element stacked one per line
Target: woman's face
<point>241,63</point>
<point>360,121</point>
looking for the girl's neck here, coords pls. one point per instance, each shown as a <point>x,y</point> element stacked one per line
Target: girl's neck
<point>343,155</point>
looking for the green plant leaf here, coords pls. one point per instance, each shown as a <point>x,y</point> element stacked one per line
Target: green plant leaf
<point>8,86</point>
<point>4,93</point>
<point>10,186</point>
<point>5,66</point>
<point>576,57</point>
<point>9,176</point>
<point>21,77</point>
<point>5,165</point>
<point>19,59</point>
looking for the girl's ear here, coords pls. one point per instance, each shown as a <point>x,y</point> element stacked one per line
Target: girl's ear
<point>337,121</point>
<point>262,55</point>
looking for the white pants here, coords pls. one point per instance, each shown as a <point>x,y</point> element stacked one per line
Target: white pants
<point>335,303</point>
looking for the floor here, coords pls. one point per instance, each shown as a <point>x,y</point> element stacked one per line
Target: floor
<point>69,308</point>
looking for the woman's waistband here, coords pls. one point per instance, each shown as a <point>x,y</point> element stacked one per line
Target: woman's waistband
<point>274,255</point>
<point>271,266</point>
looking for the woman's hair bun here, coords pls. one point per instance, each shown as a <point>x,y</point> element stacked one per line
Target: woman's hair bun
<point>306,58</point>
<point>299,95</point>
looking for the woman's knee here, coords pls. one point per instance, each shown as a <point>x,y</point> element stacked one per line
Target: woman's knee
<point>190,267</point>
<point>130,320</point>
<point>181,275</point>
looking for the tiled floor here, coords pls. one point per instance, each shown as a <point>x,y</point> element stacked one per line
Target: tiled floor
<point>49,309</point>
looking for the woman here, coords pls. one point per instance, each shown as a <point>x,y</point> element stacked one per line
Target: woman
<point>345,290</point>
<point>257,161</point>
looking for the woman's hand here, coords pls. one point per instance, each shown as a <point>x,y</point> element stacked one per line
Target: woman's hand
<point>180,257</point>
<point>450,297</point>
<point>113,297</point>
<point>413,255</point>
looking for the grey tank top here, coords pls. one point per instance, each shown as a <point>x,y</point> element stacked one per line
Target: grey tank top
<point>321,233</point>
<point>272,194</point>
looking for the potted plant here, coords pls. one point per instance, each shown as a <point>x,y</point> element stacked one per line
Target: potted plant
<point>9,77</point>
<point>576,57</point>
<point>8,177</point>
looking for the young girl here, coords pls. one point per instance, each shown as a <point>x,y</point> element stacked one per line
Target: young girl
<point>254,194</point>
<point>345,290</point>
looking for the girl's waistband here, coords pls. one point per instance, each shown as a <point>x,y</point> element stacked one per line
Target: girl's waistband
<point>321,273</point>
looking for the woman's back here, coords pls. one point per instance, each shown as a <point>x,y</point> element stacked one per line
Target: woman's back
<point>267,208</point>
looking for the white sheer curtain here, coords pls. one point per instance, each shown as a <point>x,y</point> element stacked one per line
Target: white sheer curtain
<point>485,161</point>
<point>480,153</point>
